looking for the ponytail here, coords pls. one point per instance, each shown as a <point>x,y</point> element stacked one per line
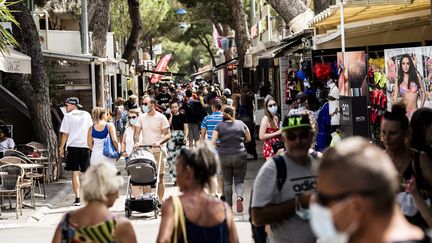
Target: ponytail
<point>97,114</point>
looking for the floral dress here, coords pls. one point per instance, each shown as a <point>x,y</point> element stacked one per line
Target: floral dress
<point>267,148</point>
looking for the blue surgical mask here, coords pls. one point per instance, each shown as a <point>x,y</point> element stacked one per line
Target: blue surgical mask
<point>145,108</point>
<point>133,121</point>
<point>273,109</point>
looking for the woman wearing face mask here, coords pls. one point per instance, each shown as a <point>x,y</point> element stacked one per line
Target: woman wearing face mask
<point>179,134</point>
<point>232,135</point>
<point>128,140</point>
<point>269,129</point>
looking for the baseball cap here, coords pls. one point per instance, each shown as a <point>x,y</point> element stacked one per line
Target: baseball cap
<point>73,101</point>
<point>296,121</point>
<point>227,92</point>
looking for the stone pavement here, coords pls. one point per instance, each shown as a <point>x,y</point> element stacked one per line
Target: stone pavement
<point>60,196</point>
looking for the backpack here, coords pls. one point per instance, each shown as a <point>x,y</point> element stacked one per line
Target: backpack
<point>195,111</point>
<point>258,232</point>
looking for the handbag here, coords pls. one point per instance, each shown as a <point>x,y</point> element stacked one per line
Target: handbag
<point>179,217</point>
<point>277,145</point>
<point>179,140</point>
<point>108,148</point>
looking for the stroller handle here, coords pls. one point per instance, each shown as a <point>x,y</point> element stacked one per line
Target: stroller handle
<point>147,146</point>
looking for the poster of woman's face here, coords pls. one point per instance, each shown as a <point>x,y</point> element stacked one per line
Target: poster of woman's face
<point>352,73</point>
<point>409,77</point>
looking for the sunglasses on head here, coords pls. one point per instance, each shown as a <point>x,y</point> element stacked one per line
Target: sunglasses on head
<point>293,136</point>
<point>271,105</point>
<point>132,117</point>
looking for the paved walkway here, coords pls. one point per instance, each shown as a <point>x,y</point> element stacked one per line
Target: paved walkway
<point>60,196</point>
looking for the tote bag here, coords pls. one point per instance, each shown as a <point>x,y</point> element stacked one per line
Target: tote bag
<point>108,149</point>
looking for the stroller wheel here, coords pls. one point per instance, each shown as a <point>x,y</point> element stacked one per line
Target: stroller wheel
<point>128,213</point>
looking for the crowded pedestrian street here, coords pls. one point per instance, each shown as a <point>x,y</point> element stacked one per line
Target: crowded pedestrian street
<point>202,121</point>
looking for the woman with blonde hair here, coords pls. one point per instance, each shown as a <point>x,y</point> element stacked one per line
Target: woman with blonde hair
<point>94,222</point>
<point>206,218</point>
<point>232,135</point>
<point>269,129</point>
<point>97,134</point>
<point>128,140</point>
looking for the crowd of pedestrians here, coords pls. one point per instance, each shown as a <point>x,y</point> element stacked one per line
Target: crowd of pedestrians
<point>353,192</point>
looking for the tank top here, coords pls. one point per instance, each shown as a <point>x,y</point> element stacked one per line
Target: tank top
<point>101,232</point>
<point>100,134</point>
<point>214,234</point>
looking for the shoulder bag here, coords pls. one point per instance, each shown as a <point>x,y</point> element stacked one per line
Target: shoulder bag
<point>108,149</point>
<point>179,217</point>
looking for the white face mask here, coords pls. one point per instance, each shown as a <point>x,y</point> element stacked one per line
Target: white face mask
<point>133,121</point>
<point>323,225</point>
<point>273,109</point>
<point>145,108</point>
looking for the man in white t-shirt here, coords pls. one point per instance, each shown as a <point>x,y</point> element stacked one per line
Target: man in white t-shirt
<point>74,129</point>
<point>153,129</point>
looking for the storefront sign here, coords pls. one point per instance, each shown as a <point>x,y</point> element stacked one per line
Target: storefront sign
<point>68,71</point>
<point>354,116</point>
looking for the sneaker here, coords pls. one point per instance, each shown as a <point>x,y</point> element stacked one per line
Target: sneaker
<point>77,202</point>
<point>239,205</point>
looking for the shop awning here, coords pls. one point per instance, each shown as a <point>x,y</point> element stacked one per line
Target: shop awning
<point>79,58</point>
<point>15,62</point>
<point>272,52</point>
<point>374,25</point>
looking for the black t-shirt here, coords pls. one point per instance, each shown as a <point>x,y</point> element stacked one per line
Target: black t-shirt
<point>163,98</point>
<point>178,122</point>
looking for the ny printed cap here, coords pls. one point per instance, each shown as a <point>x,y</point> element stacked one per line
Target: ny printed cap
<point>296,121</point>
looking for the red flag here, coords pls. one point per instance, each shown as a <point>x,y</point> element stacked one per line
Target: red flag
<point>160,67</point>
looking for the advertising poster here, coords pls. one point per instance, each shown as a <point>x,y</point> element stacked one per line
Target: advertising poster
<point>352,73</point>
<point>353,91</point>
<point>409,77</point>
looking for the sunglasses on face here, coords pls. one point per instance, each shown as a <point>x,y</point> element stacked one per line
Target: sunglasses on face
<point>326,200</point>
<point>271,105</point>
<point>132,117</point>
<point>145,104</point>
<point>293,136</point>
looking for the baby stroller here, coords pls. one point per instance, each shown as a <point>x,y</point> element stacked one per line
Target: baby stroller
<point>142,171</point>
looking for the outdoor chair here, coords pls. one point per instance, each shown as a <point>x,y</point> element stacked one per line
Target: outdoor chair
<point>28,179</point>
<point>10,185</point>
<point>20,158</point>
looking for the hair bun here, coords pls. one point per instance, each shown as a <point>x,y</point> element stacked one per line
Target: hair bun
<point>399,109</point>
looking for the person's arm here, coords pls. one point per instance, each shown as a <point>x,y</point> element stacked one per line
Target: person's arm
<point>166,227</point>
<point>422,207</point>
<point>422,91</point>
<point>426,168</point>
<point>215,136</point>
<point>57,235</point>
<point>89,138</point>
<point>112,132</point>
<point>64,138</point>
<point>186,132</point>
<point>395,90</point>
<point>124,232</point>
<point>123,146</point>
<point>203,134</point>
<point>137,132</point>
<point>263,127</point>
<point>233,237</point>
<point>167,135</point>
<point>247,135</point>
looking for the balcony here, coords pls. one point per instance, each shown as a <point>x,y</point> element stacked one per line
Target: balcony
<point>69,42</point>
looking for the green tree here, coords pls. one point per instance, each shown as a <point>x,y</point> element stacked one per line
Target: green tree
<point>6,37</point>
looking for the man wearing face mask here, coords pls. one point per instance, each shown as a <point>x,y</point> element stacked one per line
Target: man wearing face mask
<point>281,202</point>
<point>152,128</point>
<point>355,202</point>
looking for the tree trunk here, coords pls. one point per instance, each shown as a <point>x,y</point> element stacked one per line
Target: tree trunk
<point>100,20</point>
<point>288,9</point>
<point>242,36</point>
<point>205,42</point>
<point>136,31</point>
<point>34,87</point>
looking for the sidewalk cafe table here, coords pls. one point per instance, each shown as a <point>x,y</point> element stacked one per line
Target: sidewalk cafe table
<point>29,169</point>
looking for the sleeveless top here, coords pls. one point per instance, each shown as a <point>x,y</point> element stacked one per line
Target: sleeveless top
<point>101,232</point>
<point>100,134</point>
<point>267,147</point>
<point>214,234</point>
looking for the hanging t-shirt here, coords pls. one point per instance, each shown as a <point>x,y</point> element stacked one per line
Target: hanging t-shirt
<point>76,123</point>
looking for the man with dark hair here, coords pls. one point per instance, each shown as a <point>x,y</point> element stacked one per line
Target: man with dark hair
<point>195,113</point>
<point>282,201</point>
<point>355,202</point>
